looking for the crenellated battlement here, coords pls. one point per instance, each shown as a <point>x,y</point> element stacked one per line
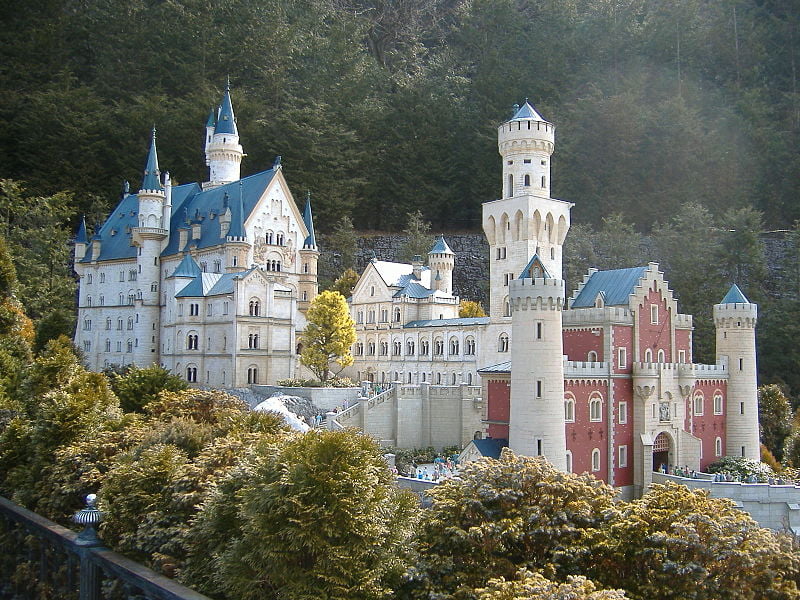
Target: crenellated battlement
<point>526,135</point>
<point>536,294</point>
<point>597,316</point>
<point>580,369</point>
<point>736,316</point>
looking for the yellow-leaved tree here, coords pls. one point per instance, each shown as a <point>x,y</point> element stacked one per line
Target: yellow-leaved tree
<point>470,308</point>
<point>328,336</point>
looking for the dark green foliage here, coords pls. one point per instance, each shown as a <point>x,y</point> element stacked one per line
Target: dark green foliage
<point>774,418</point>
<point>418,239</point>
<point>138,386</point>
<point>316,516</point>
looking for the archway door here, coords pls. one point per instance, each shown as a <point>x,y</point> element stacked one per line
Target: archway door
<point>661,447</point>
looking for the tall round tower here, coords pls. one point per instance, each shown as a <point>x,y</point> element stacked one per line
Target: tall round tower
<point>536,423</point>
<point>309,255</point>
<point>224,153</point>
<point>526,142</point>
<point>149,237</point>
<point>735,320</point>
<point>441,260</point>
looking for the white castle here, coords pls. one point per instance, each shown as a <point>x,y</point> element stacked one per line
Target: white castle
<point>208,280</point>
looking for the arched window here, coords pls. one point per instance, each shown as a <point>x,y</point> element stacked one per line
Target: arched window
<point>592,356</point>
<point>438,347</point>
<point>192,341</point>
<point>453,379</point>
<point>596,459</point>
<point>255,308</point>
<point>503,344</point>
<point>718,446</point>
<point>527,180</point>
<point>359,349</point>
<point>661,356</point>
<point>191,374</point>
<point>371,348</point>
<point>717,404</point>
<point>544,180</point>
<point>453,346</point>
<point>252,341</point>
<point>569,410</point>
<point>396,315</point>
<point>424,347</point>
<point>384,348</point>
<point>130,346</point>
<point>154,287</point>
<point>108,323</point>
<point>410,348</point>
<point>279,239</point>
<point>506,307</point>
<point>252,375</point>
<point>217,266</point>
<point>595,409</point>
<point>469,378</point>
<point>438,379</point>
<point>698,404</point>
<point>88,301</point>
<point>130,323</point>
<point>569,461</point>
<point>469,346</point>
<point>268,238</point>
<point>648,356</point>
<point>108,345</point>
<point>397,348</point>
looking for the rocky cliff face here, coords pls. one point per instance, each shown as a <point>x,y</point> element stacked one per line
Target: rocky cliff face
<point>471,274</point>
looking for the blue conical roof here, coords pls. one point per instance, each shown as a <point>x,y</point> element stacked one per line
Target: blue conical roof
<point>441,247</point>
<point>237,217</point>
<point>152,175</point>
<point>735,296</point>
<point>527,111</point>
<point>308,219</point>
<point>80,236</point>
<point>212,118</point>
<point>226,122</point>
<point>187,268</point>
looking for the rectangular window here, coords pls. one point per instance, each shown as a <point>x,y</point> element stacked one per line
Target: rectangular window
<point>180,310</point>
<point>741,408</point>
<point>622,358</point>
<point>209,310</point>
<point>539,447</point>
<point>539,329</point>
<point>743,452</point>
<point>681,356</point>
<point>654,314</point>
<point>622,414</point>
<point>741,364</point>
<point>224,308</point>
<point>539,387</point>
<point>717,405</point>
<point>623,456</point>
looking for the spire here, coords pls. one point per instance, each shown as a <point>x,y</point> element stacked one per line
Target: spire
<point>212,118</point>
<point>226,123</point>
<point>308,220</point>
<point>441,247</point>
<point>735,296</point>
<point>80,236</point>
<point>151,172</point>
<point>237,218</point>
<point>527,111</point>
<point>535,269</point>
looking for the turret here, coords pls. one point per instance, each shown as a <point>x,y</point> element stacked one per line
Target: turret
<point>309,256</point>
<point>525,221</point>
<point>441,260</point>
<point>735,321</point>
<point>536,424</point>
<point>81,240</point>
<point>151,193</point>
<point>224,153</point>
<point>211,123</point>
<point>526,142</point>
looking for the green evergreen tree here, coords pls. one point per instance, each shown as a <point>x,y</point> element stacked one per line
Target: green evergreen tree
<point>418,238</point>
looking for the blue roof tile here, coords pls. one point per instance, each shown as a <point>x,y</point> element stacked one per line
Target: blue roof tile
<point>308,220</point>
<point>212,118</point>
<point>447,322</point>
<point>616,285</point>
<point>186,268</point>
<point>151,180</point>
<point>503,367</point>
<point>226,122</point>
<point>440,247</point>
<point>414,290</point>
<point>490,447</point>
<point>527,111</point>
<point>80,236</point>
<point>735,296</point>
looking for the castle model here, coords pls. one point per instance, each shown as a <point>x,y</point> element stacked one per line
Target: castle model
<point>212,282</point>
<point>208,280</point>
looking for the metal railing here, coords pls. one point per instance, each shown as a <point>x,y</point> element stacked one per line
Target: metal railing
<point>41,559</point>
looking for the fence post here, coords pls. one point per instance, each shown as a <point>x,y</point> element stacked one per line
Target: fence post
<point>91,575</point>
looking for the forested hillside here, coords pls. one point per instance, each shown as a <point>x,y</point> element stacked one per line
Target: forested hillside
<point>677,125</point>
<point>381,107</point>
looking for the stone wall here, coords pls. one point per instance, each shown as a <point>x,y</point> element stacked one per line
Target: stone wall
<point>773,506</point>
<point>325,398</point>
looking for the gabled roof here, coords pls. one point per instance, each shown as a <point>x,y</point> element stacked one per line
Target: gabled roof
<point>617,285</point>
<point>447,322</point>
<point>212,284</point>
<point>490,447</point>
<point>151,180</point>
<point>308,219</point>
<point>533,264</point>
<point>80,236</point>
<point>440,247</point>
<point>503,367</point>
<point>392,272</point>
<point>735,296</point>
<point>226,122</point>
<point>527,111</point>
<point>414,290</point>
<point>186,268</point>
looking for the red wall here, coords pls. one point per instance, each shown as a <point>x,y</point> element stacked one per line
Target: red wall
<point>656,337</point>
<point>578,344</point>
<point>709,426</point>
<point>623,433</point>
<point>682,342</point>
<point>583,435</point>
<point>623,338</point>
<point>498,407</point>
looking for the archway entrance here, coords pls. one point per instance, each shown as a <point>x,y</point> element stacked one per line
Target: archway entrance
<point>661,452</point>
